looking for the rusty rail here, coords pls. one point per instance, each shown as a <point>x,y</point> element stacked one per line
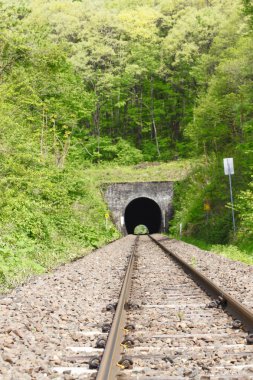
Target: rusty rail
<point>229,304</point>
<point>108,367</point>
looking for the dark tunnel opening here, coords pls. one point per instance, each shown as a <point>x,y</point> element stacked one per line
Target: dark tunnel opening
<point>143,211</point>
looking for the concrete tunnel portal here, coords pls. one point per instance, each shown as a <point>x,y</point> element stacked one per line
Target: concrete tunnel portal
<point>140,203</point>
<point>143,211</point>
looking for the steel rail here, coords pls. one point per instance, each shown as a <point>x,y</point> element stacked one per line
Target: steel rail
<point>108,367</point>
<point>230,304</point>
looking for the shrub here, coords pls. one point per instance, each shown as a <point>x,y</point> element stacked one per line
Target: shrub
<point>121,151</point>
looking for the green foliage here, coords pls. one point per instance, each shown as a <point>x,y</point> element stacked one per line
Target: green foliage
<point>224,112</point>
<point>207,184</point>
<point>47,217</point>
<point>248,9</point>
<point>98,71</point>
<point>232,252</point>
<point>141,230</point>
<point>245,208</point>
<point>221,127</point>
<point>120,152</point>
<point>136,62</point>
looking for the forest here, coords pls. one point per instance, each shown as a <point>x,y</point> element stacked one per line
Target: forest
<point>87,84</point>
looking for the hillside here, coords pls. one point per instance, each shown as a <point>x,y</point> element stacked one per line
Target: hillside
<point>103,91</point>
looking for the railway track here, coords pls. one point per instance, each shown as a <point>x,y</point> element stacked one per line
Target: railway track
<point>170,322</point>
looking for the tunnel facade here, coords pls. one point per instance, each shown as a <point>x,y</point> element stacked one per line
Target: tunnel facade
<point>145,203</point>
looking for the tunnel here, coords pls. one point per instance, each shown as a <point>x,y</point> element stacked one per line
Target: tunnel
<point>143,211</point>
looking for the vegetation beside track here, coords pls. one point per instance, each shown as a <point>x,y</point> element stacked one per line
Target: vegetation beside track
<point>241,252</point>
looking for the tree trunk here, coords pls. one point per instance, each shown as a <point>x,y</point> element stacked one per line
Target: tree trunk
<point>43,150</point>
<point>62,153</point>
<point>125,120</point>
<point>153,124</point>
<point>137,120</point>
<point>96,120</point>
<point>140,121</point>
<point>118,129</point>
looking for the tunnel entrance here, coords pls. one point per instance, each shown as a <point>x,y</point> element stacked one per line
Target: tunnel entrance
<point>143,211</point>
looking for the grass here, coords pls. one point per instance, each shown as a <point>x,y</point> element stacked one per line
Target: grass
<point>243,253</point>
<point>160,171</point>
<point>234,253</point>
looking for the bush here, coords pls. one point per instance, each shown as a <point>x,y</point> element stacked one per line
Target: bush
<point>121,151</point>
<point>47,217</point>
<point>206,183</point>
<point>245,207</point>
<point>127,154</point>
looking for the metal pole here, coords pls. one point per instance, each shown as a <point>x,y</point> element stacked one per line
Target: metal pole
<point>232,201</point>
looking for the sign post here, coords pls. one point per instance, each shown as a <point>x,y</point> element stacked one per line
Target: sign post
<point>229,170</point>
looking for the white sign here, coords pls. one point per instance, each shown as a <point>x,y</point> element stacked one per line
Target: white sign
<point>122,220</point>
<point>228,166</point>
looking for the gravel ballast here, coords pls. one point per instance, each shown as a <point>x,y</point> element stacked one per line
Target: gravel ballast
<point>234,277</point>
<point>40,319</point>
<point>178,335</point>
